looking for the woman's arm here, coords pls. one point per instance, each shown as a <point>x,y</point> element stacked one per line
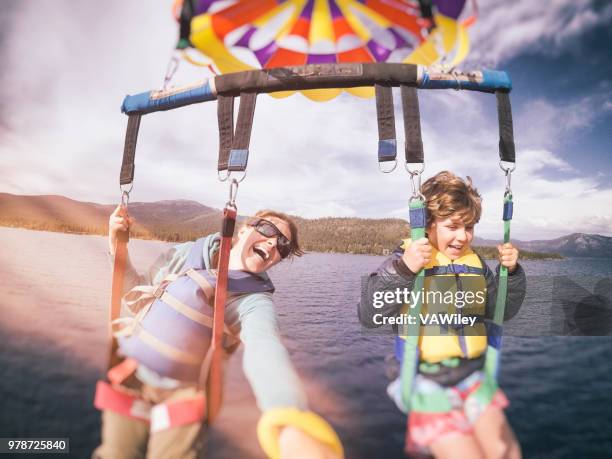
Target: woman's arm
<point>266,363</point>
<point>277,387</point>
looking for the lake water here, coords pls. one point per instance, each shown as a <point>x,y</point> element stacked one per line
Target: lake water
<point>55,290</point>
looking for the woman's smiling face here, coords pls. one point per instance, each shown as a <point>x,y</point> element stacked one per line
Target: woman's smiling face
<point>255,252</point>
<point>450,236</point>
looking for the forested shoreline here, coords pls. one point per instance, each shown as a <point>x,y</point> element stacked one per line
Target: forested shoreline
<point>332,235</point>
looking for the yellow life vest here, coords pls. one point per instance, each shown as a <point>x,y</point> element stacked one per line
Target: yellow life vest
<point>443,279</point>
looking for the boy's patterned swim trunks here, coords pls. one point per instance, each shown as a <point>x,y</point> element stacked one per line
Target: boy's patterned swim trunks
<point>425,428</point>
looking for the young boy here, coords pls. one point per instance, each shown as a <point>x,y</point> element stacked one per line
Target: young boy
<point>447,419</point>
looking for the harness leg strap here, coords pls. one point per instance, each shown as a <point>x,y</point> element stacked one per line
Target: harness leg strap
<point>178,413</point>
<point>113,399</point>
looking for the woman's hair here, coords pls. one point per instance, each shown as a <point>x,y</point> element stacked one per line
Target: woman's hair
<point>447,195</point>
<point>266,213</point>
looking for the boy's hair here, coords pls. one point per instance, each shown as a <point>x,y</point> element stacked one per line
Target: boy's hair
<point>447,195</point>
<point>265,213</point>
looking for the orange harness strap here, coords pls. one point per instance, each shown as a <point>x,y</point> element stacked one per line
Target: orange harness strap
<point>117,292</point>
<point>161,417</point>
<point>214,379</point>
<point>112,399</point>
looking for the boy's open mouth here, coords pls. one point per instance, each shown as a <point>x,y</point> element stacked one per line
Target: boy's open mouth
<point>456,247</point>
<point>261,252</point>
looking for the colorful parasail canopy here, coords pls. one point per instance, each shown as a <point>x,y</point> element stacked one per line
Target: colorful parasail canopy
<point>239,35</point>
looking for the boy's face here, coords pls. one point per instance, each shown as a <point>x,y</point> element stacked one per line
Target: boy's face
<point>450,236</point>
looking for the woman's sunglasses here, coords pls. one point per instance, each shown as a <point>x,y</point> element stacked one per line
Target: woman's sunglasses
<point>268,229</point>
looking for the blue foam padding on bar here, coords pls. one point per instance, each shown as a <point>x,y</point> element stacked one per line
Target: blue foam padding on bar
<point>492,80</point>
<point>142,103</point>
<point>387,150</point>
<point>400,344</point>
<point>508,208</point>
<point>495,334</point>
<point>417,218</point>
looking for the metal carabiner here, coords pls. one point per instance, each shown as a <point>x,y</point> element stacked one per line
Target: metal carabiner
<point>416,187</point>
<point>125,194</point>
<point>171,68</point>
<point>233,192</point>
<point>415,180</point>
<point>508,191</point>
<point>242,177</point>
<point>508,174</point>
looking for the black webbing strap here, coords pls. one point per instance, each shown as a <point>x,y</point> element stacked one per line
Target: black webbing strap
<point>426,7</point>
<point>412,125</point>
<point>234,147</point>
<point>506,133</point>
<point>225,115</point>
<point>387,143</point>
<point>129,151</point>
<point>185,23</point>
<point>239,155</point>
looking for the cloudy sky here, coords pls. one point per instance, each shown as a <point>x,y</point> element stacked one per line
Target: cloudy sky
<point>66,67</point>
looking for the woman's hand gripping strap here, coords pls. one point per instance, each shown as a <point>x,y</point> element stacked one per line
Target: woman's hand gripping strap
<point>273,421</point>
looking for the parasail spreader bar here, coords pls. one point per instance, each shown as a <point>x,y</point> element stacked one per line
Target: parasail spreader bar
<point>315,77</point>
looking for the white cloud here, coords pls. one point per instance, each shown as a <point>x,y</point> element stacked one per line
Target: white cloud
<point>65,133</point>
<point>507,29</point>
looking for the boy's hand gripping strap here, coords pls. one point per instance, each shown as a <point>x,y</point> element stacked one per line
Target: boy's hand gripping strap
<point>212,366</point>
<point>418,219</point>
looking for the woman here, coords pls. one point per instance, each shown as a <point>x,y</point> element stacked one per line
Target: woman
<point>261,243</point>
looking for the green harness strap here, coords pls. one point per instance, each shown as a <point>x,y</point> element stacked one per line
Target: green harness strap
<point>487,389</point>
<point>411,349</point>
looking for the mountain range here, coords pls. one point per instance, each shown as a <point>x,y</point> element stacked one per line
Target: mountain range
<point>180,220</point>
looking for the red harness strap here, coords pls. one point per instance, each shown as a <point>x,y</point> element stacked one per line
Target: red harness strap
<point>122,371</point>
<point>117,292</point>
<point>161,416</point>
<point>214,378</point>
<point>178,413</point>
<point>118,401</point>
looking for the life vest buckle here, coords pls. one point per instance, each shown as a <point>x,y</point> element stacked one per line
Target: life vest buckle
<point>159,290</point>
